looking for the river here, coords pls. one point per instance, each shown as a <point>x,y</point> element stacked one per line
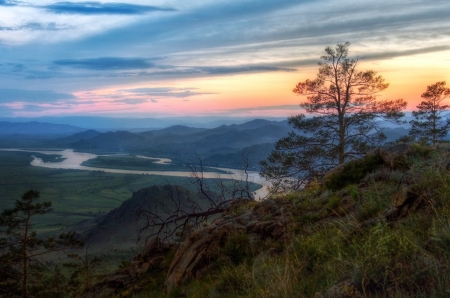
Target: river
<point>73,160</point>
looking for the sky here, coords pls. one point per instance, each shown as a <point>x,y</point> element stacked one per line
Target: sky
<point>216,58</point>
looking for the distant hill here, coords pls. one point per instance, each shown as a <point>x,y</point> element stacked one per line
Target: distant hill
<point>221,145</point>
<point>118,228</point>
<point>174,130</point>
<point>110,141</point>
<point>37,129</point>
<point>84,135</point>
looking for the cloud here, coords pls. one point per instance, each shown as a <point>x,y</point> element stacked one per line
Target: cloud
<point>16,67</point>
<point>95,8</point>
<point>21,95</point>
<point>240,69</point>
<point>387,55</point>
<point>107,63</point>
<point>153,100</point>
<point>34,26</point>
<point>8,3</point>
<point>131,101</point>
<point>267,108</point>
<point>165,92</point>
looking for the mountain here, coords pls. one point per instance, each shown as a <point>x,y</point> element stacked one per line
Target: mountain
<point>37,129</point>
<point>174,130</point>
<point>118,228</point>
<point>183,144</point>
<point>110,141</point>
<point>105,124</point>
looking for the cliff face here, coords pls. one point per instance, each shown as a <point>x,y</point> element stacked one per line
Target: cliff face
<point>376,227</point>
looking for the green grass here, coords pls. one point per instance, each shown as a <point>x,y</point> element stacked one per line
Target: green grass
<point>130,162</point>
<point>75,195</point>
<point>341,236</point>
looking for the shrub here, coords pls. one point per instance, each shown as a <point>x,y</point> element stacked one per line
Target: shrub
<point>352,172</point>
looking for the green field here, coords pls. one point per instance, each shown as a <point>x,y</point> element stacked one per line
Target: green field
<point>131,162</point>
<point>76,195</point>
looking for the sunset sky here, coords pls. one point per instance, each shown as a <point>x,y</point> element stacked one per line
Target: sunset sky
<point>206,57</point>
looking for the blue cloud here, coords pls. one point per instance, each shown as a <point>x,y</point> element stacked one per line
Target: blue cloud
<point>34,26</point>
<point>107,63</point>
<point>8,3</point>
<point>92,8</point>
<point>14,95</point>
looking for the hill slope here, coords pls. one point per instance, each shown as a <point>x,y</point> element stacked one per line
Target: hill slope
<point>381,232</point>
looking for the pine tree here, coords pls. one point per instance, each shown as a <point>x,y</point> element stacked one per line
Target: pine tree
<point>340,125</point>
<point>428,124</point>
<point>20,245</point>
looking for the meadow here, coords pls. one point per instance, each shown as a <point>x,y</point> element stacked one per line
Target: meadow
<point>76,195</point>
<point>132,162</point>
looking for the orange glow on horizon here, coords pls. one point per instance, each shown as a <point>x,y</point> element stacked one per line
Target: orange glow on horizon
<point>250,94</point>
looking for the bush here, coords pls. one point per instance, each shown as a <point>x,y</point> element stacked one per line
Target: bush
<point>352,172</point>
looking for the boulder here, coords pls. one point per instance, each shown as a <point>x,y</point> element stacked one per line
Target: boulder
<point>394,156</point>
<point>196,255</point>
<point>152,256</point>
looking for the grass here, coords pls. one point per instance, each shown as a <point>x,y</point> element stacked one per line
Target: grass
<point>75,195</point>
<point>341,241</point>
<point>131,162</point>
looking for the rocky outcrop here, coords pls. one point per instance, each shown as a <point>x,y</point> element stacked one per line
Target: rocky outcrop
<point>196,254</point>
<point>152,256</point>
<point>393,156</point>
<point>404,202</point>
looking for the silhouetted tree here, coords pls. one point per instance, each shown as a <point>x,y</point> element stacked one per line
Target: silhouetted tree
<point>341,123</point>
<point>83,270</point>
<point>428,124</point>
<point>20,244</point>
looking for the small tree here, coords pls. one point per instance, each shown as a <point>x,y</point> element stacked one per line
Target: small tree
<point>83,270</point>
<point>428,124</point>
<point>341,125</point>
<point>21,246</point>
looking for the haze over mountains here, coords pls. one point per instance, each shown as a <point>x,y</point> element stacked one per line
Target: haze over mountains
<point>105,124</point>
<point>224,145</point>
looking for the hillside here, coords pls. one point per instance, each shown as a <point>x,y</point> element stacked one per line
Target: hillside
<point>375,227</point>
<point>118,229</point>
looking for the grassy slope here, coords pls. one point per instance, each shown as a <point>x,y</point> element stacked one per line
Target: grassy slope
<point>341,237</point>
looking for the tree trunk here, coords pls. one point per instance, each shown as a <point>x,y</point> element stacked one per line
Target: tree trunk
<point>341,139</point>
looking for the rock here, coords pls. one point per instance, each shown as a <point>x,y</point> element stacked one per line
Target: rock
<point>199,249</point>
<point>404,202</point>
<point>394,156</point>
<point>152,256</point>
<point>196,255</point>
